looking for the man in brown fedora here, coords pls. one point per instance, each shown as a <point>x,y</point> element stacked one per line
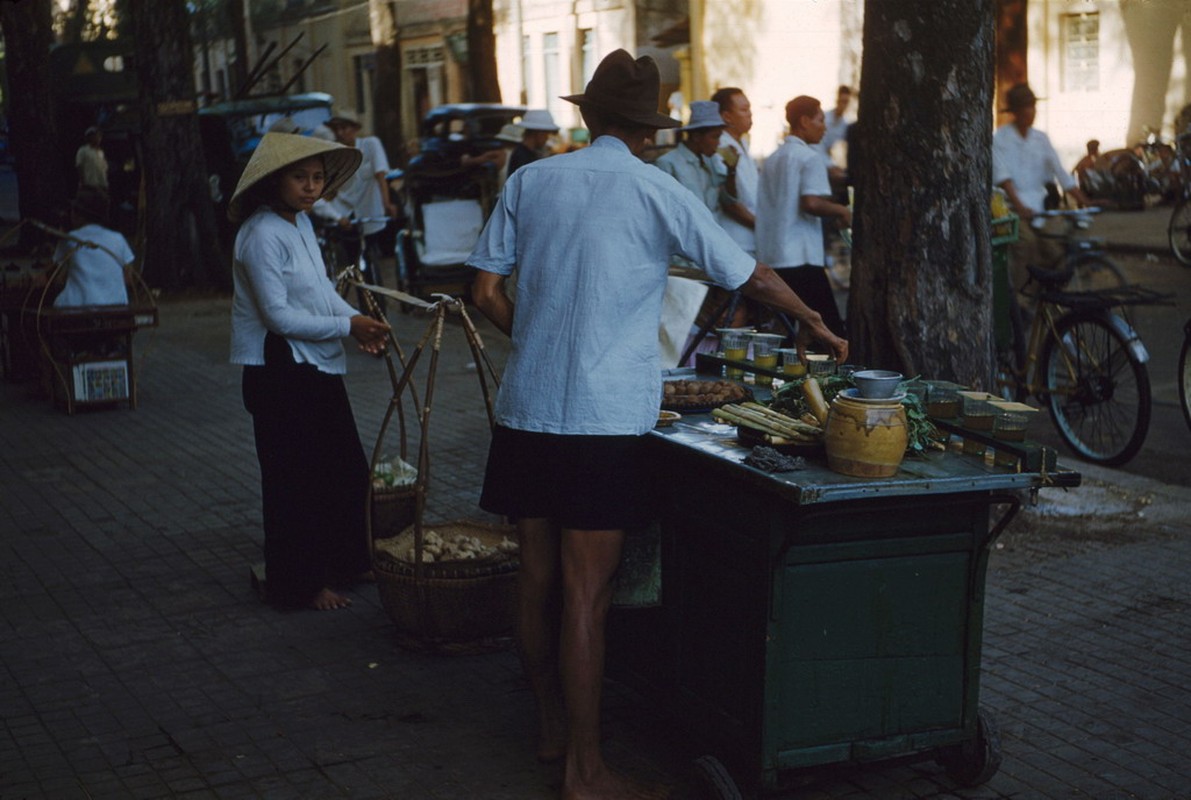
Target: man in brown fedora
<point>591,234</point>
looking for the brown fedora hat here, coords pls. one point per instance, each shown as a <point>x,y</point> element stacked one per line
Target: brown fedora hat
<point>628,88</point>
<point>1020,96</point>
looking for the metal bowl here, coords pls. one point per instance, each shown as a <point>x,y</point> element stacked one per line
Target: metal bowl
<point>876,383</point>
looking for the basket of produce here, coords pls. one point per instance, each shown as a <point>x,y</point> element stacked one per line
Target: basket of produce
<point>459,587</point>
<point>696,396</point>
<point>449,585</point>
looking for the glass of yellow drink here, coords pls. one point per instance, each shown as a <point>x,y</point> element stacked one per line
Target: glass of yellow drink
<point>765,346</point>
<point>791,364</point>
<point>735,344</point>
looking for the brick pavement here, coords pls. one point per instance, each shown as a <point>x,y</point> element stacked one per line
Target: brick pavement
<point>137,663</point>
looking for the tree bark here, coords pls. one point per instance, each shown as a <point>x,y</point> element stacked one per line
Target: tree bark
<point>44,180</point>
<point>921,289</point>
<point>387,88</point>
<point>182,245</point>
<point>481,52</point>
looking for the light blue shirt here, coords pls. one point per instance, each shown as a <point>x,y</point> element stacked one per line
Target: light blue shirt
<point>282,286</point>
<point>786,235</point>
<point>692,171</point>
<point>590,234</point>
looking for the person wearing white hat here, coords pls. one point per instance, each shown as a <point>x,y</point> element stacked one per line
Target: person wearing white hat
<point>690,162</point>
<point>287,323</point>
<point>365,196</point>
<point>510,136</point>
<point>539,126</point>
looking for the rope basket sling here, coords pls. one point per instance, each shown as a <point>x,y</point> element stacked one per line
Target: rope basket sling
<point>466,593</point>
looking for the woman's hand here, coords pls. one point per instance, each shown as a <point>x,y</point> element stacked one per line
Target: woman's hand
<point>372,334</point>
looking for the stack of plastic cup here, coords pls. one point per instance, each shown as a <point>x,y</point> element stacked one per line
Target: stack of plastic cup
<point>765,347</point>
<point>978,416</point>
<point>1009,426</point>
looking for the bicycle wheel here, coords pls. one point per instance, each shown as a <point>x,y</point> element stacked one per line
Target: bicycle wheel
<point>1097,390</point>
<point>1185,374</point>
<point>1095,272</point>
<point>1179,232</point>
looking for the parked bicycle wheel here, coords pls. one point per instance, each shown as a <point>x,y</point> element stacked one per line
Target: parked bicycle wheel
<point>1179,232</point>
<point>1095,272</point>
<point>1098,389</point>
<point>1185,374</point>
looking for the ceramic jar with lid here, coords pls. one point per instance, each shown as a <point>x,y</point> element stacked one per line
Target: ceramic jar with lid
<point>865,438</point>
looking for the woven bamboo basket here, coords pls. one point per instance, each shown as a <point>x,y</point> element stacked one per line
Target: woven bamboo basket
<point>451,605</point>
<point>452,601</point>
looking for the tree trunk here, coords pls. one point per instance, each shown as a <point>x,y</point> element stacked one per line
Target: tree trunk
<point>921,292</point>
<point>386,121</point>
<point>44,180</point>
<point>481,52</point>
<point>181,237</point>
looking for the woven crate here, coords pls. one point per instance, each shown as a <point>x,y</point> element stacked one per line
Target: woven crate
<point>453,601</point>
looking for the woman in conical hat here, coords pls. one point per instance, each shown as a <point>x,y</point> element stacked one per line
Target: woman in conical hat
<point>287,327</point>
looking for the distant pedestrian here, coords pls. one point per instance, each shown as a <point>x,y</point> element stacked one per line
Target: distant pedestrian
<point>689,162</point>
<point>740,175</point>
<point>287,323</point>
<point>795,195</point>
<point>91,162</point>
<point>537,126</point>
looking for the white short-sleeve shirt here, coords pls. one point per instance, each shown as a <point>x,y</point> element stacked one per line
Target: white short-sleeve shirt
<point>786,235</point>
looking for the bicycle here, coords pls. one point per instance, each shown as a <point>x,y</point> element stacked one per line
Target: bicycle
<point>1179,229</point>
<point>348,249</point>
<point>1091,266</point>
<point>1085,364</point>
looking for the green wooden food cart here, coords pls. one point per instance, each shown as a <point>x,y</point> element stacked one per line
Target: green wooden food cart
<point>808,618</point>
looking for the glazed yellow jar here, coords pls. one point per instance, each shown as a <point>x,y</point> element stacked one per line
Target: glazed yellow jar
<point>865,438</point>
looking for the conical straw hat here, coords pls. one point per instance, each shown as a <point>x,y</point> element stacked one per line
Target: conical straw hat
<point>279,150</point>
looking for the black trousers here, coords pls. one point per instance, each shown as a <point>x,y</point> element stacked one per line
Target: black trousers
<point>810,283</point>
<point>314,475</point>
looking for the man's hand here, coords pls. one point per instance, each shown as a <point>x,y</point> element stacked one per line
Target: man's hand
<point>345,222</point>
<point>372,334</point>
<point>818,331</point>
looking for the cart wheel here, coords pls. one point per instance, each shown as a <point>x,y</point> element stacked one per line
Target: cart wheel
<point>975,761</point>
<point>714,781</point>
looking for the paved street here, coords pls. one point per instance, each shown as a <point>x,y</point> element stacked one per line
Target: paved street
<point>138,663</point>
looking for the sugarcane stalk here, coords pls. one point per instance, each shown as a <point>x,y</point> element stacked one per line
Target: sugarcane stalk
<point>750,419</point>
<point>783,419</point>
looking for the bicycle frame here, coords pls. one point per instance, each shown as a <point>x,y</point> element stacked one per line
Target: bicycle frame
<point>1048,314</point>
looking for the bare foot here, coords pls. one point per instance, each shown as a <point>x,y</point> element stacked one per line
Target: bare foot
<point>327,600</point>
<point>613,786</point>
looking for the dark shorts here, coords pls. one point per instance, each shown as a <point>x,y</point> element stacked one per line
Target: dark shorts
<point>581,482</point>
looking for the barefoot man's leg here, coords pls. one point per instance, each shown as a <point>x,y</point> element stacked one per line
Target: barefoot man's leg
<point>589,560</point>
<point>538,601</point>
